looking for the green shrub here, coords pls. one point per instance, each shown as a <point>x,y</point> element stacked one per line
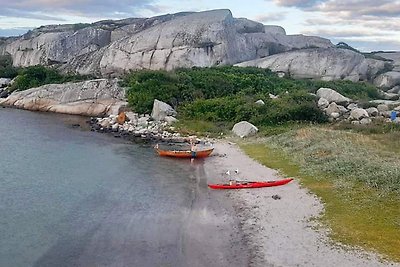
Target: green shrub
<point>228,94</point>
<point>6,68</point>
<point>35,76</point>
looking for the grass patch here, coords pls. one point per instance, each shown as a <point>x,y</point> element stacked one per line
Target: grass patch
<point>202,128</point>
<point>357,179</point>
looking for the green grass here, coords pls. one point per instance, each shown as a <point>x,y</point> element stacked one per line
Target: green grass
<point>361,198</point>
<point>202,128</point>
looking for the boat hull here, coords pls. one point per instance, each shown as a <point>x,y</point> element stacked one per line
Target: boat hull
<point>185,153</point>
<point>246,185</point>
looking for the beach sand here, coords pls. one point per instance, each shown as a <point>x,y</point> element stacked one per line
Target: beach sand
<point>280,232</point>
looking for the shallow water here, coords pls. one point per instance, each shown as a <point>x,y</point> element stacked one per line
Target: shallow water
<point>70,197</point>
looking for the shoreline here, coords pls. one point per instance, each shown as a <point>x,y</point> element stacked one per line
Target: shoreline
<point>277,232</point>
<point>283,231</point>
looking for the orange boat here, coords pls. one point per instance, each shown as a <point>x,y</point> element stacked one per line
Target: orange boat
<point>184,153</point>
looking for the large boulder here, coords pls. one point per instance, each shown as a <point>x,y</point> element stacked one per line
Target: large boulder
<point>89,98</point>
<point>244,129</point>
<point>358,114</point>
<point>4,82</point>
<point>388,79</point>
<point>395,90</point>
<point>321,63</point>
<point>332,96</point>
<point>162,110</point>
<point>332,108</point>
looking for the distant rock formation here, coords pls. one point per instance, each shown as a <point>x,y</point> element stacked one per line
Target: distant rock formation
<point>321,63</point>
<point>110,48</point>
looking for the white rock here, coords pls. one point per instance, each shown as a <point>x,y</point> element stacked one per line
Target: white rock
<point>260,102</point>
<point>161,110</point>
<point>244,129</point>
<point>383,108</point>
<point>335,115</point>
<point>273,96</point>
<point>332,96</point>
<point>342,109</point>
<point>321,63</point>
<point>388,79</point>
<point>88,98</point>
<point>170,120</point>
<point>323,103</point>
<point>373,112</point>
<point>395,90</point>
<point>352,106</point>
<point>4,82</point>
<point>359,114</point>
<point>332,108</point>
<point>365,121</point>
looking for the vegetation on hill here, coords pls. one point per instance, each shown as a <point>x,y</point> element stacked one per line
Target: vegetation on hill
<point>35,76</point>
<point>6,68</point>
<point>229,94</point>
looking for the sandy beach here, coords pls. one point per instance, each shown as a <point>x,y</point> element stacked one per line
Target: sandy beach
<point>280,231</point>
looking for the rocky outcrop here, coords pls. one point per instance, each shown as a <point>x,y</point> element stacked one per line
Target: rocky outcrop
<point>323,63</point>
<point>392,56</point>
<point>181,40</point>
<point>90,98</point>
<point>388,79</point>
<point>244,129</point>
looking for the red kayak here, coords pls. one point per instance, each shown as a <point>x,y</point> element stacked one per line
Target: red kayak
<point>244,184</point>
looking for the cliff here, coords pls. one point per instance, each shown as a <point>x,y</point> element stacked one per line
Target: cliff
<point>110,48</point>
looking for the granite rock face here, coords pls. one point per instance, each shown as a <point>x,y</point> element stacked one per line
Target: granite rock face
<point>110,48</point>
<point>321,63</point>
<point>388,79</point>
<point>90,98</point>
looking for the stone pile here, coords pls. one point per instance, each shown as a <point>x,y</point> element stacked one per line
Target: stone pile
<point>157,126</point>
<point>340,108</point>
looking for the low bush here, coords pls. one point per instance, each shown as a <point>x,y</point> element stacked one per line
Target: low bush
<point>228,94</point>
<point>35,76</point>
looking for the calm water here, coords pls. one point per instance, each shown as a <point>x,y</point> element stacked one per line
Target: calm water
<point>70,197</point>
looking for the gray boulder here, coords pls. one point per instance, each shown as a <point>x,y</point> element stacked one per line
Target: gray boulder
<point>372,112</point>
<point>332,96</point>
<point>342,109</point>
<point>4,82</point>
<point>388,79</point>
<point>244,129</point>
<point>389,96</point>
<point>382,108</point>
<point>88,98</point>
<point>394,90</point>
<point>323,103</point>
<point>365,121</point>
<point>394,56</point>
<point>332,108</point>
<point>321,63</point>
<point>352,106</point>
<point>358,114</point>
<point>170,120</point>
<point>161,110</point>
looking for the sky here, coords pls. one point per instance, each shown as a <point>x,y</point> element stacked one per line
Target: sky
<point>368,25</point>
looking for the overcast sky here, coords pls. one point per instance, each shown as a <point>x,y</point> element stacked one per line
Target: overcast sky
<point>368,25</point>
